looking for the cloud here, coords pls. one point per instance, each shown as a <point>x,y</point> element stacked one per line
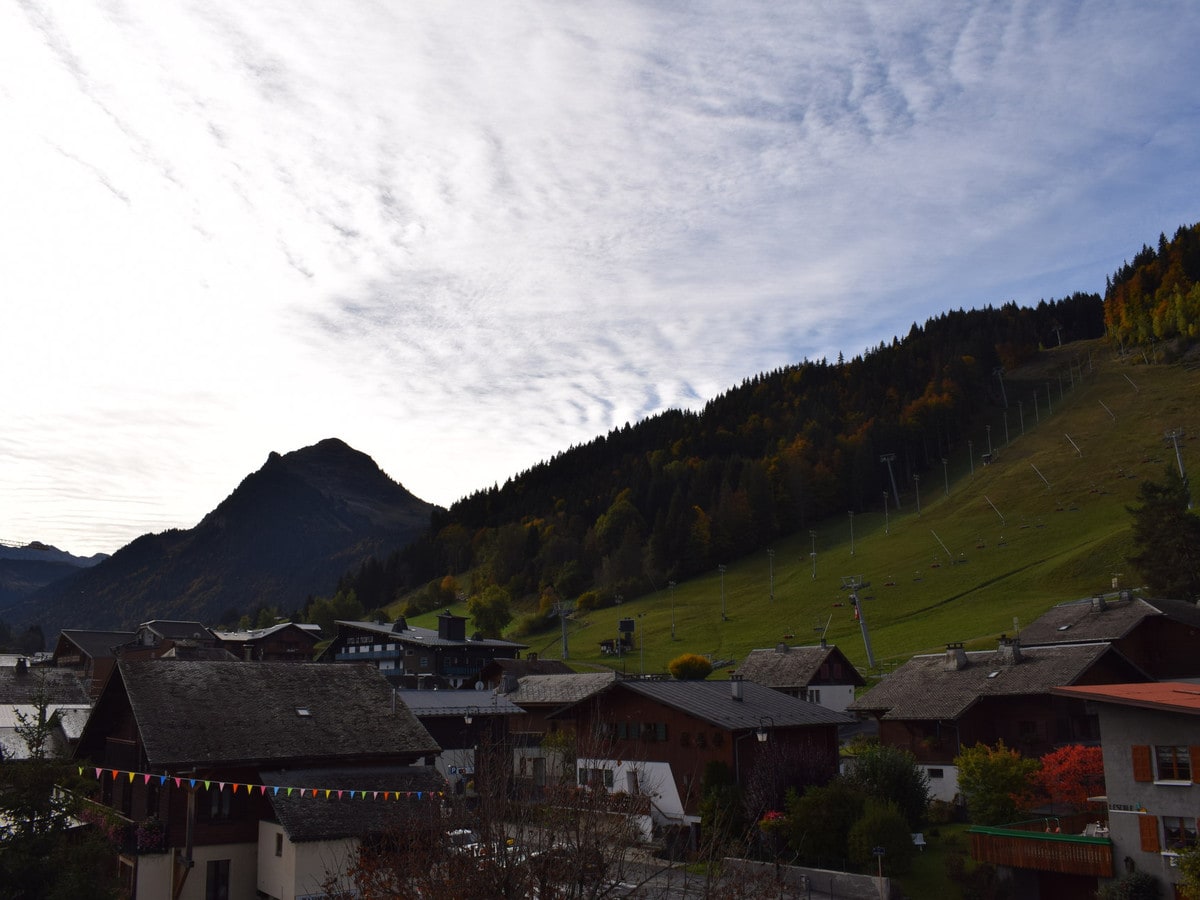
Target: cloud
<point>464,237</point>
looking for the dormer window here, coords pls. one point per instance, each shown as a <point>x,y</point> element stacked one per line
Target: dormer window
<point>303,712</point>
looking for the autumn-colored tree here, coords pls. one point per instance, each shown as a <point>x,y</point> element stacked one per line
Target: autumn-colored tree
<point>689,667</point>
<point>996,782</point>
<point>1070,775</point>
<point>491,610</point>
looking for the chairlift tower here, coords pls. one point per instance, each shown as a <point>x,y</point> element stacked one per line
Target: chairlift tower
<point>854,584</point>
<point>1173,437</point>
<point>890,458</point>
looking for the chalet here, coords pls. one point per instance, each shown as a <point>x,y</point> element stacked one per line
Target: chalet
<point>283,642</point>
<point>1150,734</point>
<point>461,722</point>
<point>509,670</point>
<point>167,637</point>
<point>1158,636</point>
<point>544,703</point>
<point>820,674</point>
<point>410,656</point>
<point>91,653</point>
<point>656,737</point>
<point>205,763</point>
<point>25,691</point>
<point>936,704</point>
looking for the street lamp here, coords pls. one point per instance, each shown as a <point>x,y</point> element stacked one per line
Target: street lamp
<point>471,713</point>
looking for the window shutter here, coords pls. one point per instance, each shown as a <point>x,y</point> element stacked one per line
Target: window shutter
<point>1148,828</point>
<point>1194,754</point>
<point>1142,768</point>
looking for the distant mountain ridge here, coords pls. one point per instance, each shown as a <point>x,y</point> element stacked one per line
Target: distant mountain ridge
<point>287,532</point>
<point>27,568</point>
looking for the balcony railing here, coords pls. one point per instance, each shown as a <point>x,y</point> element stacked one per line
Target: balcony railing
<point>1037,845</point>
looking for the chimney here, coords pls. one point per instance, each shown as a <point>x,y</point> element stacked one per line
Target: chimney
<point>508,683</point>
<point>1009,651</point>
<point>823,644</point>
<point>399,625</point>
<point>956,657</point>
<point>1098,603</point>
<point>735,687</point>
<point>21,667</point>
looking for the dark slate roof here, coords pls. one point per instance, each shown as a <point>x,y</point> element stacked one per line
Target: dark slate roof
<point>926,688</point>
<point>430,704</point>
<point>173,630</point>
<point>211,714</point>
<point>559,690</point>
<point>791,667</point>
<point>712,701</point>
<point>97,644</point>
<point>1085,620</point>
<point>58,685</point>
<point>427,637</point>
<point>307,818</point>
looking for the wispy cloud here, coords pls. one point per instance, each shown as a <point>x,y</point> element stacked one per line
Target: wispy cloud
<point>463,237</point>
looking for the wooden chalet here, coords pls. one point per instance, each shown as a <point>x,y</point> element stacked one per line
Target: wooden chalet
<point>245,779</point>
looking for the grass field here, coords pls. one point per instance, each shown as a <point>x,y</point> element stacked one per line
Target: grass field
<point>1045,522</point>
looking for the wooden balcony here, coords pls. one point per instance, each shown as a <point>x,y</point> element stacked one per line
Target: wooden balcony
<point>1027,845</point>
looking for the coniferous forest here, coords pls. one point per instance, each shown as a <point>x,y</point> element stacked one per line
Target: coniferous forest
<point>680,492</point>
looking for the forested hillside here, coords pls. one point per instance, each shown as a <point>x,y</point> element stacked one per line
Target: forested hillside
<point>1157,296</point>
<point>684,491</point>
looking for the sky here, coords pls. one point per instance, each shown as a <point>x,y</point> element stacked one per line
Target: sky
<point>464,237</point>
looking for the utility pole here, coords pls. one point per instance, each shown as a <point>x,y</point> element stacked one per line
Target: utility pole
<point>851,532</point>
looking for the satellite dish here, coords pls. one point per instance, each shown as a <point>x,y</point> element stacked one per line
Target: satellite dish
<point>479,685</point>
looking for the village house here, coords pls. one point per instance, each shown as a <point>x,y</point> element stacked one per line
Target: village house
<point>27,692</point>
<point>282,642</point>
<point>819,674</point>
<point>409,656</point>
<point>244,779</point>
<point>934,705</point>
<point>655,737</point>
<point>91,653</point>
<point>1158,636</point>
<point>1150,735</point>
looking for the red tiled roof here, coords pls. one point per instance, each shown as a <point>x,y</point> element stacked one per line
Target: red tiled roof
<point>1176,696</point>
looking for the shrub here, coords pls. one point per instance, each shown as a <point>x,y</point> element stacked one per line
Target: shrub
<point>690,667</point>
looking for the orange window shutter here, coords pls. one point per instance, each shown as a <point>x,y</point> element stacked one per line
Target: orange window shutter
<point>1148,828</point>
<point>1194,756</point>
<point>1143,770</point>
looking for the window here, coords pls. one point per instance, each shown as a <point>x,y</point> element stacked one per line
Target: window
<point>1179,833</point>
<point>814,695</point>
<point>596,777</point>
<point>936,773</point>
<point>279,843</point>
<point>219,803</point>
<point>1172,763</point>
<point>424,662</point>
<point>216,885</point>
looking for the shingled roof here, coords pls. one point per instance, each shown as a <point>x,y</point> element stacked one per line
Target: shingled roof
<point>928,687</point>
<point>97,644</point>
<point>265,713</point>
<point>713,702</point>
<point>1103,619</point>
<point>559,690</point>
<point>785,667</point>
<point>319,819</point>
<point>21,685</point>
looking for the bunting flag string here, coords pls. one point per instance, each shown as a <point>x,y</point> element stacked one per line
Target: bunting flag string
<point>328,793</point>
